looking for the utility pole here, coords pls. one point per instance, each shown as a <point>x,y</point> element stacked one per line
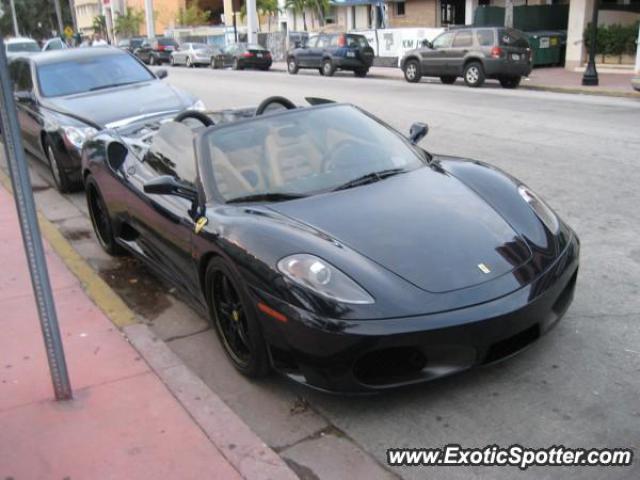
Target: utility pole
<point>252,22</point>
<point>151,24</point>
<point>72,7</point>
<point>590,77</point>
<point>59,16</point>
<point>508,14</point>
<point>16,32</point>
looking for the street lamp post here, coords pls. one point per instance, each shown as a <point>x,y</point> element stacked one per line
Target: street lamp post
<point>590,77</point>
<point>16,31</point>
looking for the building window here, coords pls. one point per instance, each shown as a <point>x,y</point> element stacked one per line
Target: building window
<point>400,9</point>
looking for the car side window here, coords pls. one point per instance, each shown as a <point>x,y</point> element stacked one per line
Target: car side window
<point>485,37</point>
<point>172,152</point>
<point>334,40</point>
<point>444,40</point>
<point>463,39</point>
<point>323,42</point>
<point>311,41</point>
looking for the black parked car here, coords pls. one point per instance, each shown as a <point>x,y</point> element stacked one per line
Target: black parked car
<point>156,51</point>
<point>328,52</point>
<point>65,96</point>
<point>130,44</point>
<point>243,55</point>
<point>473,53</point>
<point>327,246</point>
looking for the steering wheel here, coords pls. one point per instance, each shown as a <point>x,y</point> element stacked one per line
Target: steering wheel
<point>195,115</point>
<point>268,102</point>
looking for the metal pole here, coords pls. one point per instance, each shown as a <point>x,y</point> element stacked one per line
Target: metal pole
<point>252,22</point>
<point>16,32</point>
<point>508,14</point>
<point>151,26</point>
<point>59,16</point>
<point>23,195</point>
<point>590,77</point>
<point>74,19</point>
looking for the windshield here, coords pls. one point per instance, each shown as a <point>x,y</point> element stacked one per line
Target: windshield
<point>200,46</point>
<point>23,47</point>
<point>305,151</point>
<point>87,74</point>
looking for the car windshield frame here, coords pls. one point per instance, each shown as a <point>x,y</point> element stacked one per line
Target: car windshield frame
<point>45,93</point>
<point>206,168</point>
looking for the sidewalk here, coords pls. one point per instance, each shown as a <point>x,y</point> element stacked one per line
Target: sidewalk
<point>554,79</point>
<point>123,421</point>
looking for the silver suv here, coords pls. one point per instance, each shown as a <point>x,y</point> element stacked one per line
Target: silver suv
<point>475,54</point>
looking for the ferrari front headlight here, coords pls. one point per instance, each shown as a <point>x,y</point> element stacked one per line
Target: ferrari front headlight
<point>542,210</point>
<point>318,275</point>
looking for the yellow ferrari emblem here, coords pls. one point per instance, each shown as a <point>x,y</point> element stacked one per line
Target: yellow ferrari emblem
<point>483,268</point>
<point>200,223</point>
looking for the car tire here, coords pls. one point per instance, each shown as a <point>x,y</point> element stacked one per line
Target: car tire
<point>189,63</point>
<point>235,319</point>
<point>292,66</point>
<point>172,61</point>
<point>265,68</point>
<point>510,82</point>
<point>328,68</point>
<point>474,74</point>
<point>61,179</point>
<point>213,64</point>
<point>236,64</point>
<point>361,72</point>
<point>412,72</point>
<point>152,60</point>
<point>448,79</point>
<point>100,218</point>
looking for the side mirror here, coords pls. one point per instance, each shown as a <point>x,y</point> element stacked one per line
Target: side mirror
<point>168,185</point>
<point>25,97</point>
<point>427,44</point>
<point>162,73</point>
<point>417,132</point>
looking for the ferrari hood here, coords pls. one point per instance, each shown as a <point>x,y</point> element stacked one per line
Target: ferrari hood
<point>106,106</point>
<point>425,226</point>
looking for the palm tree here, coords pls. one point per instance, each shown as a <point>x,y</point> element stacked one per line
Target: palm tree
<point>268,8</point>
<point>128,25</point>
<point>100,25</point>
<point>321,7</point>
<point>298,6</point>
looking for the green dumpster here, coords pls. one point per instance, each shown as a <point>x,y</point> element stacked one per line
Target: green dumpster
<point>548,47</point>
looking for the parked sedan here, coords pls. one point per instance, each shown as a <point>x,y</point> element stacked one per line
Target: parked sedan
<point>20,46</point>
<point>329,247</point>
<point>242,55</point>
<point>130,44</point>
<point>635,83</point>
<point>194,54</point>
<point>156,51</point>
<point>473,53</point>
<point>64,97</point>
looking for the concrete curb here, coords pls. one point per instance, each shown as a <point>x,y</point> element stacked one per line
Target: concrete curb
<point>241,447</point>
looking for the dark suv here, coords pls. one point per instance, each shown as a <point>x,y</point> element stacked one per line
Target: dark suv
<point>156,51</point>
<point>329,52</point>
<point>473,53</point>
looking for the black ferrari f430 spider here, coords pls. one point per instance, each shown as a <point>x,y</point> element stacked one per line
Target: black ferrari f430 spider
<point>327,246</point>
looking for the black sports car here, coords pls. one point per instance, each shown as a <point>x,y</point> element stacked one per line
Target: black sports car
<point>327,246</point>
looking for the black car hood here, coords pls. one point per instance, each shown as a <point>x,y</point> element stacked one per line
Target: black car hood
<point>105,106</point>
<point>425,226</point>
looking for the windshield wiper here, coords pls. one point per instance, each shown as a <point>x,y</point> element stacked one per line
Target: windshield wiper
<point>113,85</point>
<point>266,197</point>
<point>370,178</point>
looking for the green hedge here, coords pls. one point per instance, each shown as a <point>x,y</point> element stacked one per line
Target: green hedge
<point>613,39</point>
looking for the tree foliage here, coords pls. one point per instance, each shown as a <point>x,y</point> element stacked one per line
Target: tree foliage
<point>128,24</point>
<point>192,15</point>
<point>36,18</point>
<point>100,25</point>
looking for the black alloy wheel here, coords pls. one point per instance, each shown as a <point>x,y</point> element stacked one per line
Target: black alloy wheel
<point>101,219</point>
<point>235,319</point>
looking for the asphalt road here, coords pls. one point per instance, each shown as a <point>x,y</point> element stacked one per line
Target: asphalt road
<point>579,386</point>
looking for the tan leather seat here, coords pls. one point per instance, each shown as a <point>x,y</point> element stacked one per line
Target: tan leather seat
<point>291,153</point>
<point>230,182</point>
